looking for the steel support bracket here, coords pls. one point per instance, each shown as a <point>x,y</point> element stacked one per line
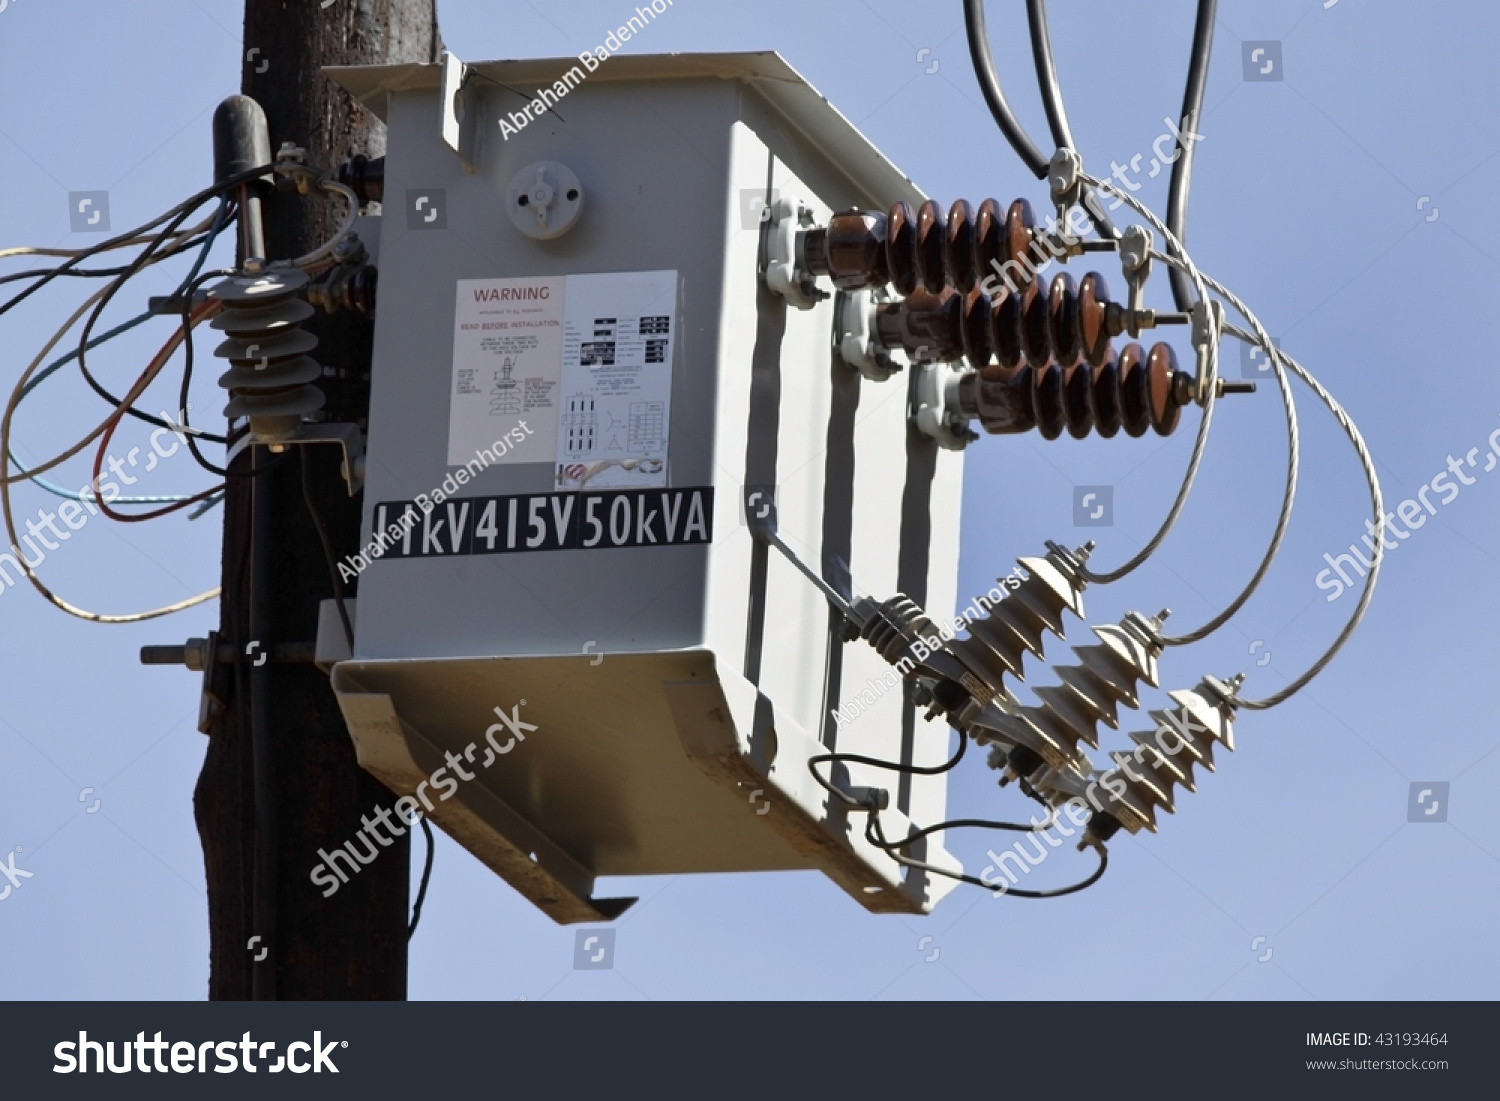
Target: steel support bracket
<point>347,436</point>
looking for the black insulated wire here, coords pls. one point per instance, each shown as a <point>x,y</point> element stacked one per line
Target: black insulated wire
<point>875,835</point>
<point>93,273</point>
<point>994,96</point>
<point>220,222</point>
<point>140,262</point>
<point>1046,74</point>
<point>1052,101</point>
<point>189,205</point>
<point>875,762</point>
<point>334,580</point>
<point>263,982</point>
<point>1181,182</point>
<point>416,907</point>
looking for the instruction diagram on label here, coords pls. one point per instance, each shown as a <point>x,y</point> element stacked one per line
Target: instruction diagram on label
<point>507,354</point>
<point>585,360</point>
<point>616,380</point>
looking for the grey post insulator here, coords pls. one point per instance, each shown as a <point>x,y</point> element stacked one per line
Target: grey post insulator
<point>895,625</point>
<point>1018,623</point>
<point>1090,692</point>
<point>1185,736</point>
<point>996,641</point>
<point>270,375</point>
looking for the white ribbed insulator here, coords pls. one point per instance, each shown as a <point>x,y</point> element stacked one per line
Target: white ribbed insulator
<point>1090,692</point>
<point>1143,780</point>
<point>1017,624</point>
<point>271,375</point>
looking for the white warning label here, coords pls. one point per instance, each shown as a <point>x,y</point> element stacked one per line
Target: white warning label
<point>507,352</point>
<point>586,360</point>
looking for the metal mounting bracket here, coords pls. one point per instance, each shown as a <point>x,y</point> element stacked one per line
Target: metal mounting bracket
<point>937,412</point>
<point>760,517</point>
<point>347,436</point>
<point>854,335</point>
<point>786,272</point>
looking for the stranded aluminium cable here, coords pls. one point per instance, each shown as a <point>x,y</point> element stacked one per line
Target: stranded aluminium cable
<point>1209,398</point>
<point>1289,492</point>
<point>1181,180</point>
<point>1377,501</point>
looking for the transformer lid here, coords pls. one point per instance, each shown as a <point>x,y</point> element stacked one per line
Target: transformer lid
<point>787,92</point>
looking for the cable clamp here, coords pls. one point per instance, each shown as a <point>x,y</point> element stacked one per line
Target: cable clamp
<point>293,173</point>
<point>1208,328</point>
<point>786,270</point>
<point>1064,174</point>
<point>937,411</point>
<point>1135,261</point>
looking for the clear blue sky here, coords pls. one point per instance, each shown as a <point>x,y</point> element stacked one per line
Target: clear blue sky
<point>1308,201</point>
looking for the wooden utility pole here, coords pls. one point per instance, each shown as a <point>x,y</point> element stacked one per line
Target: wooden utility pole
<point>351,945</point>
